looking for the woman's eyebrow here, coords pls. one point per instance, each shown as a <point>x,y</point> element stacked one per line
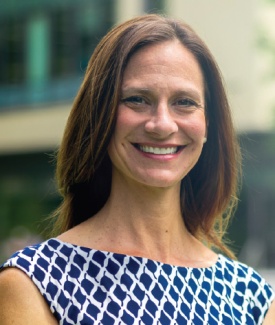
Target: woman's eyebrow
<point>135,90</point>
<point>180,92</point>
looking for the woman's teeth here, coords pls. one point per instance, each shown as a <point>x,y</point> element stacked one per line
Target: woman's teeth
<point>158,151</point>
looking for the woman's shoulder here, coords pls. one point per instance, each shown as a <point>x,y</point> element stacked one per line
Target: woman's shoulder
<point>245,281</point>
<point>37,275</point>
<point>20,301</point>
<point>30,256</point>
<point>32,263</point>
<point>241,275</point>
<point>46,249</point>
<point>270,316</point>
<point>235,269</point>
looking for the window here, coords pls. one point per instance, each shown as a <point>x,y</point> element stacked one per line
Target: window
<point>45,46</point>
<point>75,33</point>
<point>154,6</point>
<point>12,52</point>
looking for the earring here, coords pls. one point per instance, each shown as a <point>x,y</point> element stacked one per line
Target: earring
<point>204,139</point>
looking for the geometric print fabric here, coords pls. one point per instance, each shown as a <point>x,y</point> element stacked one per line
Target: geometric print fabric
<point>87,286</point>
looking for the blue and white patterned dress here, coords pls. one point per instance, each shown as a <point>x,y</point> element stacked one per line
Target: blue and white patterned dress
<point>87,286</point>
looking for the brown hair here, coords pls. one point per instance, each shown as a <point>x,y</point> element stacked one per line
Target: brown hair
<point>208,192</point>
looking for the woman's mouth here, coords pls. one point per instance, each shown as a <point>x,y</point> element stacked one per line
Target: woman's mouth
<point>158,150</point>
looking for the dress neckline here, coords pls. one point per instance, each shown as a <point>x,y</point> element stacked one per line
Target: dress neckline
<point>145,259</point>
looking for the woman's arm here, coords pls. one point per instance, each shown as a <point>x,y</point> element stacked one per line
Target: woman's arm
<point>20,301</point>
<point>270,316</point>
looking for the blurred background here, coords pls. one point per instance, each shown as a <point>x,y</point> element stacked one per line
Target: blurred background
<point>44,49</point>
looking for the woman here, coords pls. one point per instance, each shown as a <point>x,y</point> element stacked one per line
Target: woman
<point>148,168</point>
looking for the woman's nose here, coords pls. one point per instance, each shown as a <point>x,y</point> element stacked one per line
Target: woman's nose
<point>161,123</point>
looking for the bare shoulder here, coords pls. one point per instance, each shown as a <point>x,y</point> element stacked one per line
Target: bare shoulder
<point>21,302</point>
<point>270,316</point>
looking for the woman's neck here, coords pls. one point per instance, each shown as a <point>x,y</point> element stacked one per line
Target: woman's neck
<point>142,221</point>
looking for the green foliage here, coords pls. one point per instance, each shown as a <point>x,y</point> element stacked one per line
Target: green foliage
<point>25,209</point>
<point>27,196</point>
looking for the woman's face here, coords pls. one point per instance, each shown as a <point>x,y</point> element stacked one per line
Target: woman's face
<point>161,122</point>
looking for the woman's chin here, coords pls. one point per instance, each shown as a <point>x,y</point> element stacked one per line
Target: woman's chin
<point>161,180</point>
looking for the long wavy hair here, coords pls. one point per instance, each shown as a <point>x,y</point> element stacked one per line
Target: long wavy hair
<point>84,170</point>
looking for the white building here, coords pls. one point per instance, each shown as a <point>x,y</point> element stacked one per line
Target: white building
<point>46,46</point>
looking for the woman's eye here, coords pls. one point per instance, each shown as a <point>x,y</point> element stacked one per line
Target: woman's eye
<point>134,100</point>
<point>186,102</point>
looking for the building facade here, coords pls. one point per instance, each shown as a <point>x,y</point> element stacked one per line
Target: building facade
<point>44,49</point>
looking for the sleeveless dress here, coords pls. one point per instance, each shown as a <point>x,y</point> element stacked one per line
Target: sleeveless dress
<point>87,286</point>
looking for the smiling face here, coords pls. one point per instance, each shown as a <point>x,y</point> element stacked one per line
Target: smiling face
<point>160,125</point>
